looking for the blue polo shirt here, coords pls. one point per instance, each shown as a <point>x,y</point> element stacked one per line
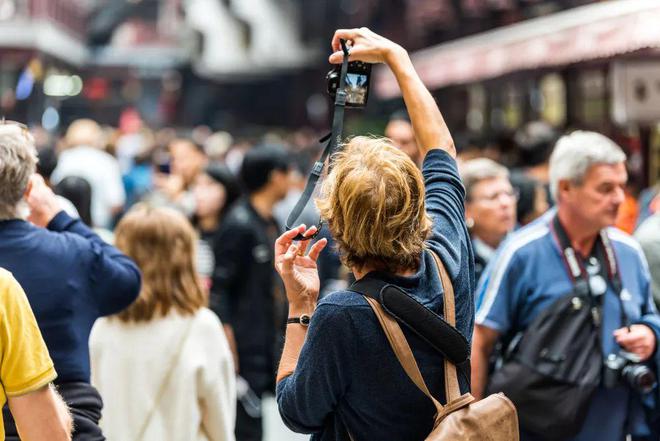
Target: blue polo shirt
<point>528,274</point>
<point>347,376</point>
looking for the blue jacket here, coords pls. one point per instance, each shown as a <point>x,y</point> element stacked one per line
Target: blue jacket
<point>347,376</point>
<point>71,278</point>
<point>528,274</point>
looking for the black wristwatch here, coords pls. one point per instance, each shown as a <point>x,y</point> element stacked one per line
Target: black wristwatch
<point>303,320</point>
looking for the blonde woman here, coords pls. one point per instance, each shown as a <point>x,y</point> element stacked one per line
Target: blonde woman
<point>338,375</point>
<point>163,366</point>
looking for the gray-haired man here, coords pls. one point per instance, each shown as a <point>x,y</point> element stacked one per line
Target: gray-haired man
<point>529,274</point>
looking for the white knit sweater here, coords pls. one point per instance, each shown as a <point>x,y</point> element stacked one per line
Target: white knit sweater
<point>130,361</point>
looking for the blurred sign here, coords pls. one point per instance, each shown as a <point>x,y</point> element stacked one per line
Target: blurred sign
<point>635,92</point>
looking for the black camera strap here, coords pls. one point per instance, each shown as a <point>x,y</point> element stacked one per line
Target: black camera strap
<point>333,142</point>
<point>576,267</point>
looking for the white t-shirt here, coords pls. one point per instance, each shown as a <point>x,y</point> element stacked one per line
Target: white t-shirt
<point>102,172</point>
<point>130,361</point>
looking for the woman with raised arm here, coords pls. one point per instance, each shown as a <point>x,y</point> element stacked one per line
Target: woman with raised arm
<point>338,377</point>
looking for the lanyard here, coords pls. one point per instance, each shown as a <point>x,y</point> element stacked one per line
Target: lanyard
<point>576,268</point>
<point>333,141</point>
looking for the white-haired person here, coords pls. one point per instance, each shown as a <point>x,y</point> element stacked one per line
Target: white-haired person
<point>530,274</point>
<point>338,377</point>
<point>490,207</point>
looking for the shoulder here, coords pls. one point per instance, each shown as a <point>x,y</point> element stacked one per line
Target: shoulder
<point>204,318</point>
<point>525,241</point>
<point>626,246</point>
<point>344,299</point>
<point>238,217</point>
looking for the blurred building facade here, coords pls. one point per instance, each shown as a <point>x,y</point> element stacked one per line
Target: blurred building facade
<point>232,64</point>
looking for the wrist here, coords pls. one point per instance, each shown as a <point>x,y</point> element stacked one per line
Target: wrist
<point>299,308</point>
<point>396,56</point>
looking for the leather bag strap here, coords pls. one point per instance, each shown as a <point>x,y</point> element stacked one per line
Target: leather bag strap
<point>405,356</point>
<point>402,349</point>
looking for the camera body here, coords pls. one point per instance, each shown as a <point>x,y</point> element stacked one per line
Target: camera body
<point>358,80</point>
<point>625,368</point>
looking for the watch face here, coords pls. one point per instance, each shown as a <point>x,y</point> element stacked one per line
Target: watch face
<point>304,320</point>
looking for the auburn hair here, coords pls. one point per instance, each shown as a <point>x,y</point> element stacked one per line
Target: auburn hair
<point>162,243</point>
<point>373,202</point>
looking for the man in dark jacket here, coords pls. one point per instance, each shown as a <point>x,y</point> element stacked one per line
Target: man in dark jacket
<point>71,277</point>
<point>246,294</point>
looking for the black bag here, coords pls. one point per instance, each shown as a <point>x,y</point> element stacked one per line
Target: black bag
<point>554,370</point>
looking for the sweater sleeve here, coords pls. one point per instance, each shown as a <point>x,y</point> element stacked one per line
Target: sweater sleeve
<point>216,381</point>
<point>322,375</point>
<point>114,276</point>
<point>445,204</point>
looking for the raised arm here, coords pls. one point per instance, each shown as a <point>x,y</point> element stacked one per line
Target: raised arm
<point>430,129</point>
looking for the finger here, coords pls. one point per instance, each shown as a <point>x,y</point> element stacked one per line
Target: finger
<point>288,258</point>
<point>345,34</point>
<point>284,241</point>
<point>316,249</point>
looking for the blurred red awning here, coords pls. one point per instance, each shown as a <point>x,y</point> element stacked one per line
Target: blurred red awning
<point>589,32</point>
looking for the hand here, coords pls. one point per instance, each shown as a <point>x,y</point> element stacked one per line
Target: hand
<point>297,270</point>
<point>640,340</point>
<point>366,46</point>
<point>42,202</point>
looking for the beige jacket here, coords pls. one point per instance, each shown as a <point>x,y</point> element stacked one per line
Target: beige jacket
<point>130,361</point>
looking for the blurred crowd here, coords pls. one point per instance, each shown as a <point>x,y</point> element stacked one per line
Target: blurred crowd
<point>198,213</point>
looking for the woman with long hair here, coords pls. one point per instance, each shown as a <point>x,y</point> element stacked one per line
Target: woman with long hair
<point>163,366</point>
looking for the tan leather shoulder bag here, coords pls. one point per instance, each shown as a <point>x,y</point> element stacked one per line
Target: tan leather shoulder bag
<point>492,419</point>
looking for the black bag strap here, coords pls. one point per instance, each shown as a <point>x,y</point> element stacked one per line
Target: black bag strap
<point>576,268</point>
<point>428,325</point>
<point>333,142</point>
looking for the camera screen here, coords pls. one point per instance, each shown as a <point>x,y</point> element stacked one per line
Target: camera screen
<point>356,88</point>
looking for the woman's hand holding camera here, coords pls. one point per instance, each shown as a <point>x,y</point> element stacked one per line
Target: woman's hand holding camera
<point>366,46</point>
<point>299,271</point>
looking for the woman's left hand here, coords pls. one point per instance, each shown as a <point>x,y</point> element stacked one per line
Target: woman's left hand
<point>299,271</point>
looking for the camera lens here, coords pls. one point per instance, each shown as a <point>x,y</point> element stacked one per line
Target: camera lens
<point>639,377</point>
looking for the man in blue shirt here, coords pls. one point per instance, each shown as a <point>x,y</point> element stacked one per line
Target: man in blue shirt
<point>71,277</point>
<point>528,274</point>
<point>341,376</point>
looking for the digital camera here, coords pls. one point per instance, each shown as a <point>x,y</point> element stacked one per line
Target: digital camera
<point>626,368</point>
<point>358,79</point>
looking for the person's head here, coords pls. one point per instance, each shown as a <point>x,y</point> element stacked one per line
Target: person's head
<point>18,159</point>
<point>187,160</point>
<point>532,197</point>
<point>400,131</point>
<point>161,241</point>
<point>587,178</point>
<point>266,169</point>
<point>215,191</point>
<point>79,192</point>
<point>490,200</point>
<point>535,141</point>
<point>47,162</point>
<point>84,132</point>
<point>373,203</point>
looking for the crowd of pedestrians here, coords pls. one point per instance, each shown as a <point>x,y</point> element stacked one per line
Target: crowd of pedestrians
<point>148,285</point>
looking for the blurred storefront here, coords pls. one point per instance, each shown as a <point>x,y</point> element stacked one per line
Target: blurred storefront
<point>595,67</point>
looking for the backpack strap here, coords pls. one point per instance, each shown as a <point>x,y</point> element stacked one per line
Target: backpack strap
<point>405,356</point>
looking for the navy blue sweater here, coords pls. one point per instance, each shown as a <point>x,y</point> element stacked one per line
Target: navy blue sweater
<point>347,376</point>
<point>71,277</point>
